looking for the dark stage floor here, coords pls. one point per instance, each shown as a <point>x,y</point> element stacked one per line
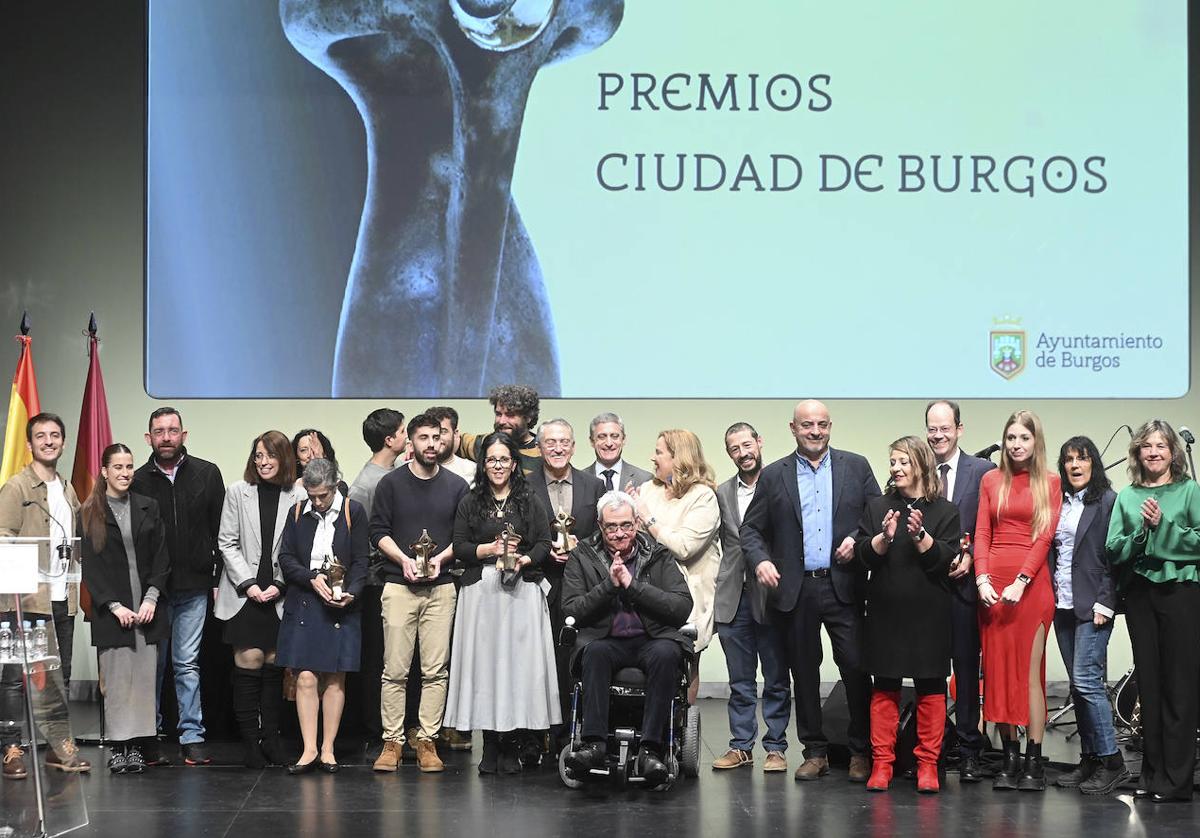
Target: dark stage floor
<point>225,800</point>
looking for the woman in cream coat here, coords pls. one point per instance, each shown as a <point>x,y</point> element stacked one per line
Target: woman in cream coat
<point>678,508</point>
<point>250,593</point>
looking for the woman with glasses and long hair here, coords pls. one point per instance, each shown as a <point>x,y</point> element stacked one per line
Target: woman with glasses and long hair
<point>502,675</point>
<point>909,538</point>
<point>1154,541</point>
<point>1085,603</point>
<point>1019,505</point>
<point>125,567</point>
<point>250,592</point>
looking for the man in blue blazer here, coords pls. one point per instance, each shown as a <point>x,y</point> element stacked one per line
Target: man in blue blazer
<point>960,474</point>
<point>798,535</point>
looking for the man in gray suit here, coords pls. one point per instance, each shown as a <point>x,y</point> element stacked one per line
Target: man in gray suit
<point>747,636</point>
<point>607,435</point>
<point>960,474</point>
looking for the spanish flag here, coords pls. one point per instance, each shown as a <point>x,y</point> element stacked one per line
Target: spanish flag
<point>22,404</point>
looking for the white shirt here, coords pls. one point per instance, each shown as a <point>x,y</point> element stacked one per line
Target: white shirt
<point>616,470</point>
<point>745,494</point>
<point>952,474</point>
<point>463,468</point>
<point>61,527</point>
<point>323,537</point>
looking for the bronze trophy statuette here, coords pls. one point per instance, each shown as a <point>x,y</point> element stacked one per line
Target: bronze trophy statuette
<point>510,541</point>
<point>422,549</point>
<point>335,574</point>
<point>563,541</point>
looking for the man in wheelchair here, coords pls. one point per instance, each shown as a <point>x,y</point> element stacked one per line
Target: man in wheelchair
<point>628,599</point>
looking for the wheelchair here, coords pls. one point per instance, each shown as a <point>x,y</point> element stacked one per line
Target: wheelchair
<point>681,751</point>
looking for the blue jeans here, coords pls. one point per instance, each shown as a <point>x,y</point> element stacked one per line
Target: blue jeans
<point>1084,648</point>
<point>187,611</point>
<point>746,644</point>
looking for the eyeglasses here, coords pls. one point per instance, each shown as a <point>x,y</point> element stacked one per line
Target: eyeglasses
<point>498,462</point>
<point>625,527</point>
<point>159,433</point>
<point>260,457</point>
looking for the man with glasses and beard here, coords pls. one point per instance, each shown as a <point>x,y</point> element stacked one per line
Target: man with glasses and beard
<point>747,636</point>
<point>418,497</point>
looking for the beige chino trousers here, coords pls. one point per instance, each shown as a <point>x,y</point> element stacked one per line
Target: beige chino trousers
<point>412,613</point>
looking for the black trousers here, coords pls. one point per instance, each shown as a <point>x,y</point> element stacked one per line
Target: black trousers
<point>964,650</point>
<point>371,666</point>
<point>661,659</point>
<point>800,633</point>
<point>1164,631</point>
<point>922,686</point>
<point>64,633</point>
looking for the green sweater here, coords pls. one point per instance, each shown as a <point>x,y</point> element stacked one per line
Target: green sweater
<point>1168,553</point>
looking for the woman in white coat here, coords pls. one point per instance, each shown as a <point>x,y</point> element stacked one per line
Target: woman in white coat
<point>250,593</point>
<point>678,508</point>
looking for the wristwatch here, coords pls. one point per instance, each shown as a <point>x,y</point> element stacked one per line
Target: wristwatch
<point>651,522</point>
<point>921,534</point>
<point>1022,577</point>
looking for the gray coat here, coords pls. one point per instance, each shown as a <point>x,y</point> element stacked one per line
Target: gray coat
<point>240,542</point>
<point>734,579</point>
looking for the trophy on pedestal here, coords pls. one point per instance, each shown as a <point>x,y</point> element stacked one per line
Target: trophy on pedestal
<point>335,574</point>
<point>510,540</point>
<point>563,541</point>
<point>422,549</point>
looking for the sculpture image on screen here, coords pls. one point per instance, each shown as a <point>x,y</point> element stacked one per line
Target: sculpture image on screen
<point>443,262</point>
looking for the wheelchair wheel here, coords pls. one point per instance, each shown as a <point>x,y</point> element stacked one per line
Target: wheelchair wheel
<point>563,773</point>
<point>689,755</point>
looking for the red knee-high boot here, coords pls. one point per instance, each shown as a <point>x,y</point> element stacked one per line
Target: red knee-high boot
<point>931,726</point>
<point>885,719</point>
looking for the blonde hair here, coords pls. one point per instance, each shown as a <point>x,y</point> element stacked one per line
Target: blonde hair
<point>1039,477</point>
<point>1137,475</point>
<point>690,467</point>
<point>920,455</point>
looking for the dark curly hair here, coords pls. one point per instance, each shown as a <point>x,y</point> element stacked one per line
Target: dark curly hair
<point>519,489</point>
<point>522,400</point>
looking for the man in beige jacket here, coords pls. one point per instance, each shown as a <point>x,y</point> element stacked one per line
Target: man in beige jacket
<point>39,502</point>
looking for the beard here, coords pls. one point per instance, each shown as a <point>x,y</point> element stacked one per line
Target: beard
<point>753,470</point>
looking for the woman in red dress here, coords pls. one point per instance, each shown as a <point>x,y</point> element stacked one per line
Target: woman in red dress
<point>1019,505</point>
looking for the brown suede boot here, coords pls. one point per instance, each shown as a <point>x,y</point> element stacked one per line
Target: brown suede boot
<point>427,757</point>
<point>389,759</point>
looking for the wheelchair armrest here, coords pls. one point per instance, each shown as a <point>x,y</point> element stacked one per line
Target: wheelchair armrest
<point>689,631</point>
<point>568,633</point>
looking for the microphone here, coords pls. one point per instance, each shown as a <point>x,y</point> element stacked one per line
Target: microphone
<point>64,549</point>
<point>986,454</point>
<point>1188,436</point>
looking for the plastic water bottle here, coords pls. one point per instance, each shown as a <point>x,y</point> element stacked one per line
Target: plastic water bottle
<point>6,642</point>
<point>26,648</point>
<point>40,643</point>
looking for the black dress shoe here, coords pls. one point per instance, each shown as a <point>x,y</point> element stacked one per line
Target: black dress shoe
<point>1168,798</point>
<point>1141,794</point>
<point>328,767</point>
<point>968,769</point>
<point>651,768</point>
<point>302,767</point>
<point>590,756</point>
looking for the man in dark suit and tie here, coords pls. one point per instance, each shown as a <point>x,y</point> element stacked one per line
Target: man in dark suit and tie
<point>798,535</point>
<point>960,474</point>
<point>607,435</point>
<point>563,488</point>
<point>747,636</point>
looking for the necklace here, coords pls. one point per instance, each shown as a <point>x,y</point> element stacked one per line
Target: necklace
<point>501,505</point>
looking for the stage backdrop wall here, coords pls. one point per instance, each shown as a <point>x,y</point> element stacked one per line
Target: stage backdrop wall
<point>71,242</point>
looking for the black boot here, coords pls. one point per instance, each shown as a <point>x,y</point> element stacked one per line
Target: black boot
<point>1010,771</point>
<point>247,685</point>
<point>271,704</point>
<point>510,753</point>
<point>491,752</point>
<point>1033,775</point>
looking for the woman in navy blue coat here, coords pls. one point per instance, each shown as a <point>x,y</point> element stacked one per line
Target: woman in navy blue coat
<point>320,634</point>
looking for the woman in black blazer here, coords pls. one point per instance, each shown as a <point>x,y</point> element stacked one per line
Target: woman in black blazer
<point>907,539</point>
<point>320,636</point>
<point>1085,606</point>
<point>125,568</point>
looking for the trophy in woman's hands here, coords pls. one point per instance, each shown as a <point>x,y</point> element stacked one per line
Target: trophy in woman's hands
<point>335,575</point>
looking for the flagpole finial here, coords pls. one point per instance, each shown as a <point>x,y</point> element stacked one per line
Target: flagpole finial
<point>24,323</point>
<point>91,329</point>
